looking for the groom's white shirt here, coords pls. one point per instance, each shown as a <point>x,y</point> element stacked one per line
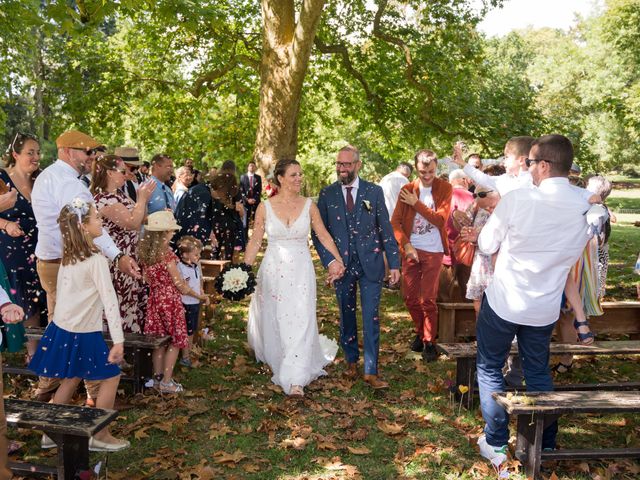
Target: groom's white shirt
<point>354,190</point>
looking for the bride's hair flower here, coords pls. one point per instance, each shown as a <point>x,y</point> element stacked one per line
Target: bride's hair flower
<point>367,205</point>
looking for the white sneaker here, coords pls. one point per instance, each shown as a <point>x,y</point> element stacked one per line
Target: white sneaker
<point>497,455</point>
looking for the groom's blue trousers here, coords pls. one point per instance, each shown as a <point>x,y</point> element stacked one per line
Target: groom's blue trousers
<point>346,290</point>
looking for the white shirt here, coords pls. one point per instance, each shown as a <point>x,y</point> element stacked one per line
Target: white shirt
<point>424,235</point>
<point>84,292</point>
<point>502,184</point>
<point>354,191</point>
<point>391,185</point>
<point>55,187</point>
<point>192,274</point>
<point>540,232</point>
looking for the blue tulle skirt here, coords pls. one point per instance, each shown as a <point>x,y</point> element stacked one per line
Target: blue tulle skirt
<point>63,354</point>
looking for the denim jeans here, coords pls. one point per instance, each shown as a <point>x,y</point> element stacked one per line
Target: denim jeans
<point>494,342</point>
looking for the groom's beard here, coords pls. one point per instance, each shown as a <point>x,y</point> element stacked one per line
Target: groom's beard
<point>351,176</point>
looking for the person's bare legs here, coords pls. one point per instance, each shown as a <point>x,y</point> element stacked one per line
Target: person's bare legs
<point>157,358</point>
<point>106,399</point>
<point>67,388</point>
<point>566,334</point>
<point>170,358</point>
<point>32,345</point>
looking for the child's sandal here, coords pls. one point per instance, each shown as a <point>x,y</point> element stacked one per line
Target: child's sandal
<point>171,387</point>
<point>584,338</point>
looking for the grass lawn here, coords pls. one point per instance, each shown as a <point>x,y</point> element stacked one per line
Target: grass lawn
<point>234,424</point>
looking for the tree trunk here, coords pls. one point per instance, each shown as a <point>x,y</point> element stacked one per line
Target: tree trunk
<point>286,48</point>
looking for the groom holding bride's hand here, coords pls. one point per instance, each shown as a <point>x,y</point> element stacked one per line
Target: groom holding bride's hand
<point>354,213</point>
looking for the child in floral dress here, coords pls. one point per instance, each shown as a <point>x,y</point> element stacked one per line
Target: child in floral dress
<point>165,312</point>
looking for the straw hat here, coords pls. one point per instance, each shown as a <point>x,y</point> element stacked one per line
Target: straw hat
<point>161,221</point>
<point>76,139</point>
<point>129,155</point>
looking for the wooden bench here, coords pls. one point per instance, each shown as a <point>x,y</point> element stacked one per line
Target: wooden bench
<point>210,271</point>
<point>457,321</point>
<point>465,356</point>
<point>139,346</point>
<point>539,409</point>
<point>70,427</point>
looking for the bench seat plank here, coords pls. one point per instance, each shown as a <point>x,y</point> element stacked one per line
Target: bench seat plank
<point>569,402</point>
<point>609,347</point>
<point>575,454</point>
<point>63,419</point>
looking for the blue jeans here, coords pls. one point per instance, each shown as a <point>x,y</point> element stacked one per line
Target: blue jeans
<point>494,342</point>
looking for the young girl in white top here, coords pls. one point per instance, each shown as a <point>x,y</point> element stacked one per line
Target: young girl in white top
<point>72,347</point>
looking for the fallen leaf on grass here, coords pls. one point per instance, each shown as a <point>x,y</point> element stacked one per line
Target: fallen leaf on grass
<point>225,458</point>
<point>140,434</point>
<point>390,428</point>
<point>359,450</point>
<point>297,443</point>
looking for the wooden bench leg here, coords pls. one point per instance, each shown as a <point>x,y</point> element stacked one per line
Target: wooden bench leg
<point>73,455</point>
<point>466,375</point>
<point>529,443</point>
<point>446,325</point>
<point>142,368</point>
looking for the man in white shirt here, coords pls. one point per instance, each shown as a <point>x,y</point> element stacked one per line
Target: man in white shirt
<point>517,176</point>
<point>392,183</point>
<point>540,233</point>
<point>55,187</point>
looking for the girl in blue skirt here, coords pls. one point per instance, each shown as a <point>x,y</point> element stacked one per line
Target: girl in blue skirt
<point>72,347</point>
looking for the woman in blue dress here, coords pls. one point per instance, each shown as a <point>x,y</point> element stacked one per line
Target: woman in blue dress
<point>18,237</point>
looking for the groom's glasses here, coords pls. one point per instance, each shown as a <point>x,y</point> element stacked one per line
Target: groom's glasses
<point>344,164</point>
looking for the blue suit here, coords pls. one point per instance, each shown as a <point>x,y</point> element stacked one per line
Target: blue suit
<point>362,237</point>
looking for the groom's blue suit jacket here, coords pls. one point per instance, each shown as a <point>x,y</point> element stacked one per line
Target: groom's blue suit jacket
<point>374,234</point>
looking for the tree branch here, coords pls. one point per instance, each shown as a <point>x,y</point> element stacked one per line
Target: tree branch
<point>205,80</point>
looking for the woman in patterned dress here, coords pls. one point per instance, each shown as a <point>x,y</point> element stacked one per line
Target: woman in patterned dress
<point>122,218</point>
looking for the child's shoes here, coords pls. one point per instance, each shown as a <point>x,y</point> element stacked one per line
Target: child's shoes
<point>185,362</point>
<point>171,387</point>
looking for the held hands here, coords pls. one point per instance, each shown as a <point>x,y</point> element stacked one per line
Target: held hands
<point>240,208</point>
<point>12,313</point>
<point>145,190</point>
<point>116,354</point>
<point>408,197</point>
<point>335,271</point>
<point>128,265</point>
<point>205,299</point>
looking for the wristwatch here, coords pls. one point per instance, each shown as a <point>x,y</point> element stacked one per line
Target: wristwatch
<point>117,258</point>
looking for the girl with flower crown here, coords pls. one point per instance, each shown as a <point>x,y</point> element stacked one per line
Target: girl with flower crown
<point>72,347</point>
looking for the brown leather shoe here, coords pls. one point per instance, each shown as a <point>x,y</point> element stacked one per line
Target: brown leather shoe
<point>375,382</point>
<point>351,372</point>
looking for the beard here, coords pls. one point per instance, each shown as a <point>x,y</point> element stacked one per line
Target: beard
<point>351,176</point>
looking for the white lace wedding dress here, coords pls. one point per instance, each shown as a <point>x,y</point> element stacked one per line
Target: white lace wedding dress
<point>282,328</point>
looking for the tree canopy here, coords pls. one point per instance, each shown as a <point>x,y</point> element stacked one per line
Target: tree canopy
<point>217,80</point>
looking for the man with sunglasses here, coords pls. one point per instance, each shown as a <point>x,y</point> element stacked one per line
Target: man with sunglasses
<point>55,187</point>
<point>531,270</point>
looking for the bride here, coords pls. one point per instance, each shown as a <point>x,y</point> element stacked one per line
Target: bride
<point>282,327</point>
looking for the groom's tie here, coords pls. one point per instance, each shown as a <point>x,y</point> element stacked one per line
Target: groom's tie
<point>350,204</point>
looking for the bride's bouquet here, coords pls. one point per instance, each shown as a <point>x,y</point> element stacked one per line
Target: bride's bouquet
<point>236,281</point>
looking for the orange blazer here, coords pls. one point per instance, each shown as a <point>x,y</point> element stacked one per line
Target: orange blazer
<point>404,214</point>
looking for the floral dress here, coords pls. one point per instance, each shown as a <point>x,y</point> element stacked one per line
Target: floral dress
<point>131,292</point>
<point>482,266</point>
<point>165,312</point>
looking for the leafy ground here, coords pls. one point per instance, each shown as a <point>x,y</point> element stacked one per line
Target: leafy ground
<point>233,423</point>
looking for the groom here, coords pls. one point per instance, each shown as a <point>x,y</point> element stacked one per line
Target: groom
<point>355,215</point>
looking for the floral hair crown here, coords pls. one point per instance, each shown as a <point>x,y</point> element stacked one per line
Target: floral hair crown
<point>80,208</point>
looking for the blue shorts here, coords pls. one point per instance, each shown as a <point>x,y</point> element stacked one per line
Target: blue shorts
<point>191,313</point>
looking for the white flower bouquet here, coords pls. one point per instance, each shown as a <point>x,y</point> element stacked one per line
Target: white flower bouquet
<point>236,281</point>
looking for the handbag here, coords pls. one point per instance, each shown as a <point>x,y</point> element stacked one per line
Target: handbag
<point>464,251</point>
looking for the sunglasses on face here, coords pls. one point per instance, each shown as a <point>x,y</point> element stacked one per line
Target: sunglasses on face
<point>482,194</point>
<point>529,161</point>
<point>87,152</point>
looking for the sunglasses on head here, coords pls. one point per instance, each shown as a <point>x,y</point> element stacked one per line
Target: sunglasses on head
<point>482,194</point>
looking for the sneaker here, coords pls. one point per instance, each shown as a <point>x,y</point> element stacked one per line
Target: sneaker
<point>47,442</point>
<point>96,445</point>
<point>496,455</point>
<point>185,362</point>
<point>171,387</point>
<point>417,345</point>
<point>429,354</point>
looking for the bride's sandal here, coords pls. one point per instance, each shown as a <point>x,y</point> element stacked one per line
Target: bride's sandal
<point>296,391</point>
<point>585,338</point>
<point>171,387</point>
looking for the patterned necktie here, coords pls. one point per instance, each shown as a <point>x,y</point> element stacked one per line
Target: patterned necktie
<point>350,204</point>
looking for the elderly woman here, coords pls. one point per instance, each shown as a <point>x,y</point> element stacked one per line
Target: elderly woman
<point>184,179</point>
<point>18,238</point>
<point>122,218</point>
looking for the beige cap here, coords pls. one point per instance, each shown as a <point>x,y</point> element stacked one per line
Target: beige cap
<point>76,139</point>
<point>161,221</point>
<point>128,155</point>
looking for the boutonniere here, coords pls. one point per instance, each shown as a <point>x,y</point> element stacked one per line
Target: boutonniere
<point>367,205</point>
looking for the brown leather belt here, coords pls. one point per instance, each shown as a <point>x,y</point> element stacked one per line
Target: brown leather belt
<point>53,260</point>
